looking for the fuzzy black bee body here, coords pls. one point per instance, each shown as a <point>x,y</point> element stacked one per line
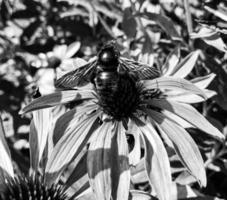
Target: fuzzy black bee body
<point>114,78</point>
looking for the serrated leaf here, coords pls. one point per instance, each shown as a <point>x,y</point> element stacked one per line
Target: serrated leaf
<point>186,65</point>
<point>6,166</point>
<point>156,161</point>
<point>190,114</point>
<point>171,83</point>
<point>184,145</point>
<point>57,98</point>
<point>69,146</point>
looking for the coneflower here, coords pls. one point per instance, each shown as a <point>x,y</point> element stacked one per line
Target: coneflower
<point>95,131</point>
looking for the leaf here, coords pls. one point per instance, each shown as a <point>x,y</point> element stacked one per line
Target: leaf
<point>72,49</point>
<point>6,166</point>
<point>186,65</point>
<point>171,83</point>
<point>190,114</point>
<point>156,161</point>
<point>99,162</point>
<point>165,23</point>
<point>78,178</point>
<point>171,61</point>
<point>69,146</point>
<point>39,130</point>
<point>57,98</point>
<point>129,24</point>
<point>184,145</point>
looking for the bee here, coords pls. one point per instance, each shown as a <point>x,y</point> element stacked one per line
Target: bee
<point>114,78</point>
<point>106,69</point>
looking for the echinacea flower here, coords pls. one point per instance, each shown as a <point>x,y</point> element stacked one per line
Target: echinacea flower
<point>17,186</point>
<point>95,133</point>
<point>14,185</point>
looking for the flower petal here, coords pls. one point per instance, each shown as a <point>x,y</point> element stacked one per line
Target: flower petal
<point>171,83</point>
<point>69,146</point>
<point>135,154</point>
<point>156,161</point>
<point>186,65</point>
<point>184,145</point>
<point>99,162</point>
<point>39,129</point>
<point>57,98</point>
<point>70,118</point>
<point>72,49</point>
<point>190,98</point>
<point>6,166</point>
<point>78,181</point>
<point>203,81</point>
<point>120,164</point>
<point>190,114</point>
<point>171,61</point>
<point>140,195</point>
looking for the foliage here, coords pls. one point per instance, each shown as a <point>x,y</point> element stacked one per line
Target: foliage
<point>42,40</point>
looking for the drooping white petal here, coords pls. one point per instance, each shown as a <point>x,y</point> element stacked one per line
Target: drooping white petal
<point>57,98</point>
<point>203,81</point>
<point>171,62</point>
<point>72,49</point>
<point>190,114</point>
<point>99,162</point>
<point>186,65</point>
<point>189,98</point>
<point>184,145</point>
<point>39,129</point>
<point>69,146</point>
<point>170,83</point>
<point>156,161</point>
<point>68,120</point>
<point>120,164</point>
<point>6,166</point>
<point>135,154</point>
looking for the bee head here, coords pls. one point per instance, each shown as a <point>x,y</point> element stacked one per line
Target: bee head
<point>108,55</point>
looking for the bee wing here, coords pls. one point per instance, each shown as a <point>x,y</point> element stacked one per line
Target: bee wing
<point>140,70</point>
<point>78,77</point>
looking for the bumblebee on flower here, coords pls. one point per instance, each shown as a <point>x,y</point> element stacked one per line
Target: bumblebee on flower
<point>113,93</point>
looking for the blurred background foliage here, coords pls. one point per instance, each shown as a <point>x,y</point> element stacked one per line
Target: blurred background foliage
<point>40,40</point>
